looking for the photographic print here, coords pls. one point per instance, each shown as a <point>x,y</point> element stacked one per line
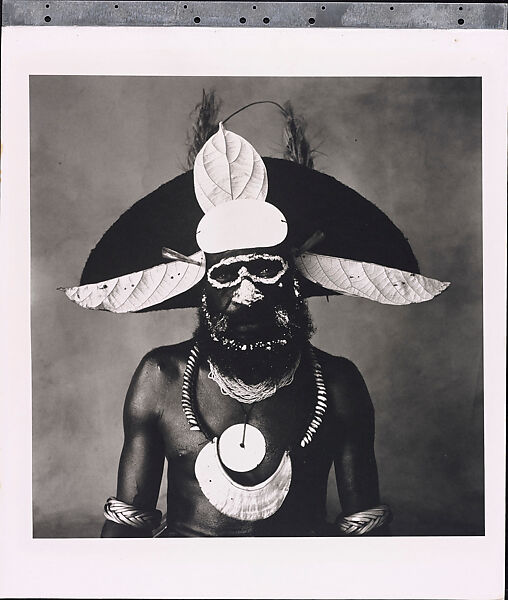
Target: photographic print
<point>254,312</point>
<point>271,316</point>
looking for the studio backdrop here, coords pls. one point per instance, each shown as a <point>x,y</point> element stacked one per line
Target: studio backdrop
<point>412,146</point>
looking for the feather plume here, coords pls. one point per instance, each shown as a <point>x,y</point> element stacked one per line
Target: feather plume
<point>296,146</point>
<point>206,124</point>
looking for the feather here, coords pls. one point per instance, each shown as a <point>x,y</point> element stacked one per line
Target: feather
<point>206,124</point>
<point>296,146</point>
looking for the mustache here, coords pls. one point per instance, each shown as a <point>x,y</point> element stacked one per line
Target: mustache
<point>276,316</point>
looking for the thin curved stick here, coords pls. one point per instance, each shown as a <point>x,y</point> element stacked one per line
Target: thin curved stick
<point>284,112</point>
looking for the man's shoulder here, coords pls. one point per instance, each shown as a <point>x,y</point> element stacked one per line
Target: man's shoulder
<point>337,370</point>
<point>160,371</point>
<point>347,392</point>
<point>168,361</point>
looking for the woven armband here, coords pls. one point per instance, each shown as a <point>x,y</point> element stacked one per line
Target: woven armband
<point>126,514</point>
<point>365,521</point>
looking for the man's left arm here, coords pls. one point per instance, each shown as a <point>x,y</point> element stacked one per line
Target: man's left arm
<point>354,458</point>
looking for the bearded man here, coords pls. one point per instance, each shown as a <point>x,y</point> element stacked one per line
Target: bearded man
<point>248,414</point>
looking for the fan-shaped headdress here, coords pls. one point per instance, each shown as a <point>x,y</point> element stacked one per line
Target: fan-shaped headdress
<point>248,202</point>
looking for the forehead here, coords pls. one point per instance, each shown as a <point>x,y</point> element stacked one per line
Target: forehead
<point>213,259</point>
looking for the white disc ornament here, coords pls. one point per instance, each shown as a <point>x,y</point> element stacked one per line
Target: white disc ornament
<point>241,447</point>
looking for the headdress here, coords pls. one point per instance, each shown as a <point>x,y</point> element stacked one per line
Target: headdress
<point>154,256</point>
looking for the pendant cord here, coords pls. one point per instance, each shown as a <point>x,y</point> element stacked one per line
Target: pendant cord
<point>242,443</point>
<point>246,412</point>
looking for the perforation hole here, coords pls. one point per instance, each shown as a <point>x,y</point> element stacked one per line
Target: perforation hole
<point>312,21</point>
<point>197,20</point>
<point>266,20</point>
<point>47,18</point>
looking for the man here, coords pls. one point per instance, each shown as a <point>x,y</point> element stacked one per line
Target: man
<point>249,416</point>
<point>156,428</point>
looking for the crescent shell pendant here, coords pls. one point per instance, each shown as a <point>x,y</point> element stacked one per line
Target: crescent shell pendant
<point>245,503</point>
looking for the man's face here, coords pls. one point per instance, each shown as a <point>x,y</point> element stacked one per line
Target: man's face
<point>249,295</point>
<point>253,322</point>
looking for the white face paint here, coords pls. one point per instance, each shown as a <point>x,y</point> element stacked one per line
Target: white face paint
<point>246,293</point>
<point>267,269</point>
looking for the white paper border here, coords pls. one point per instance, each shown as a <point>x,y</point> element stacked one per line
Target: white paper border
<point>418,567</point>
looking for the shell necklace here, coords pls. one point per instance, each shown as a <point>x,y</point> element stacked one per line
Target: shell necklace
<point>241,448</point>
<point>246,393</point>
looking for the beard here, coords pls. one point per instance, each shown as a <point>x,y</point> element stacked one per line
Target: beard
<point>256,354</point>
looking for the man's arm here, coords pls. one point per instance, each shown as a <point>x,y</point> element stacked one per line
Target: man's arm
<point>354,459</point>
<point>142,458</point>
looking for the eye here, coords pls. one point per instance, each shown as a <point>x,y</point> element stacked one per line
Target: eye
<point>224,273</point>
<point>265,268</point>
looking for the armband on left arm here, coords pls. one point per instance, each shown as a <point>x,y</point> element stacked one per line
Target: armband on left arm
<point>364,522</point>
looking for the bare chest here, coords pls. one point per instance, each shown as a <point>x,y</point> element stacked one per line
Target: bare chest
<point>281,420</point>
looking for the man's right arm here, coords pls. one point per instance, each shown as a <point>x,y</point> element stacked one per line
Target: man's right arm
<point>142,458</point>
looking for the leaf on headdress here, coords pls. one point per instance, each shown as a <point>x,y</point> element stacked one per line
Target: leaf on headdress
<point>367,280</point>
<point>296,146</point>
<point>136,291</point>
<point>228,168</point>
<point>206,124</point>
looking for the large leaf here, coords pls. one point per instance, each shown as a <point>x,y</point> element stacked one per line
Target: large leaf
<point>367,280</point>
<point>228,168</point>
<point>136,291</point>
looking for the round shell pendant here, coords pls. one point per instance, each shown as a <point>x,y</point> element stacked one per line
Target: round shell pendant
<point>239,452</point>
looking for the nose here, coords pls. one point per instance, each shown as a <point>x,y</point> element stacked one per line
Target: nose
<point>246,293</point>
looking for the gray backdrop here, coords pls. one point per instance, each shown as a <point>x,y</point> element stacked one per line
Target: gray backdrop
<point>410,145</point>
